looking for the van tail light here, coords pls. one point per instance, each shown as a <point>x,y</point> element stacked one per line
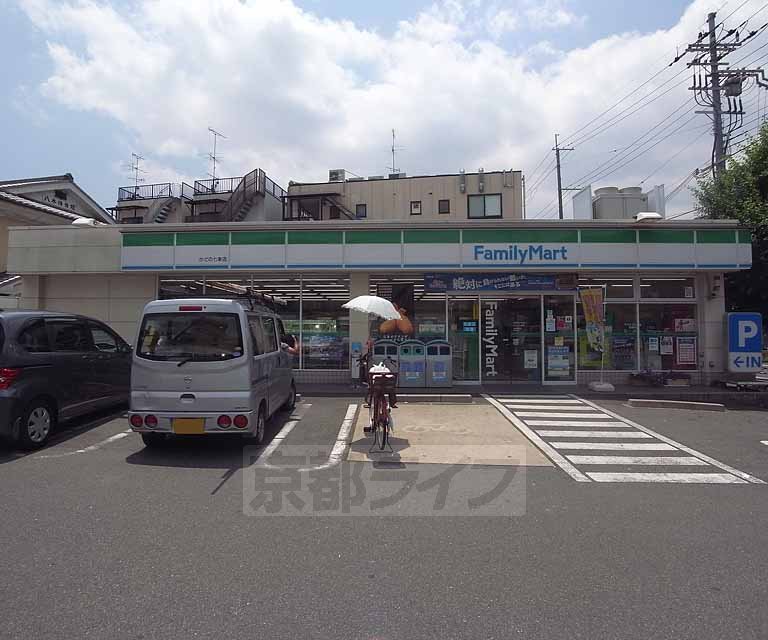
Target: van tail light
<point>224,422</point>
<point>7,376</point>
<point>189,307</point>
<point>241,422</point>
<point>136,421</point>
<point>150,421</point>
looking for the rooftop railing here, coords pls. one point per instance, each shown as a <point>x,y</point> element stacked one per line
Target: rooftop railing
<point>147,191</point>
<point>216,185</point>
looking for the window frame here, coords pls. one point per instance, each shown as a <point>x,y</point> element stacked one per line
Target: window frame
<point>485,216</point>
<point>440,202</point>
<point>275,340</point>
<point>364,206</point>
<point>120,345</point>
<point>417,204</point>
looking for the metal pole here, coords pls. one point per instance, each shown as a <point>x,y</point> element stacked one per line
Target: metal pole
<point>557,149</point>
<point>717,119</point>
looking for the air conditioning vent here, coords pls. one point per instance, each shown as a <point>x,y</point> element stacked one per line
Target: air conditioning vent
<point>396,176</point>
<point>337,175</point>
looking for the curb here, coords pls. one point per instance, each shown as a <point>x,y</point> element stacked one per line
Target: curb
<point>676,404</point>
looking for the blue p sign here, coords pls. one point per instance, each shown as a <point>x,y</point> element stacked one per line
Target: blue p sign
<point>745,342</point>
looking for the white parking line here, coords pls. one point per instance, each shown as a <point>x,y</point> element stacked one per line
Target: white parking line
<point>93,447</point>
<point>682,478</point>
<point>342,440</point>
<point>281,435</point>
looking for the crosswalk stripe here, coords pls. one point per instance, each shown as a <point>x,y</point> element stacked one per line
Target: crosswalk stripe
<point>592,434</point>
<point>546,414</point>
<point>658,461</point>
<point>685,478</point>
<point>578,423</point>
<point>614,446</point>
<point>539,398</point>
<point>547,400</point>
<point>554,407</point>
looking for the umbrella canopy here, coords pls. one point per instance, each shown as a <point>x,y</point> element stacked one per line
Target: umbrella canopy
<point>374,305</point>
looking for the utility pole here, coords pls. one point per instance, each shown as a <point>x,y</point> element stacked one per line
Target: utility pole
<point>717,108</point>
<point>557,149</point>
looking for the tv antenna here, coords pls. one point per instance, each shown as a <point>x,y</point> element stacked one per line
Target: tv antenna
<point>394,149</point>
<point>135,168</point>
<point>212,156</point>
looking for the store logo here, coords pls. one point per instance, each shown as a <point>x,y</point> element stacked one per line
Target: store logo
<point>520,254</point>
<point>490,335</point>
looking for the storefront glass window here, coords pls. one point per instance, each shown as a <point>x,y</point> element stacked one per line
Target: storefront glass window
<point>614,287</point>
<point>181,287</point>
<point>325,325</point>
<point>668,336</point>
<point>422,315</point>
<point>671,288</point>
<point>464,335</point>
<point>559,339</point>
<point>620,340</point>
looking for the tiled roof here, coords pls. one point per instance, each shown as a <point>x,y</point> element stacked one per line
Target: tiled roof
<point>31,204</point>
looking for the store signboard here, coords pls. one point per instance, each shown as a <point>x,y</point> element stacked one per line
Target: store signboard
<point>745,342</point>
<point>440,282</point>
<point>430,249</point>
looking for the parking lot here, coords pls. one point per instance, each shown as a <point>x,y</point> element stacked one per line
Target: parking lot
<point>169,542</point>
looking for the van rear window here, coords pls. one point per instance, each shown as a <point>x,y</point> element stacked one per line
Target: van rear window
<point>188,337</point>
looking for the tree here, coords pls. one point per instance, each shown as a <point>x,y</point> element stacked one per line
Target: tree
<point>740,193</point>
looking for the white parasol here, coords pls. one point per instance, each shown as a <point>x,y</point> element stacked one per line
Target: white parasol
<point>373,305</point>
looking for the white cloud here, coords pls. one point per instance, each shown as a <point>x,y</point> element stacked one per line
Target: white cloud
<point>297,94</point>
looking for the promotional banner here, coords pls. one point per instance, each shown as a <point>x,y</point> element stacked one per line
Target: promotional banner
<point>592,301</point>
<point>400,295</point>
<point>440,282</point>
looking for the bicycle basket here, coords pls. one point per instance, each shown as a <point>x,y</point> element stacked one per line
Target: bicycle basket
<point>384,381</point>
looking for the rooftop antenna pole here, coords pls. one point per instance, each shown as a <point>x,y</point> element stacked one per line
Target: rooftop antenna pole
<point>214,158</point>
<point>136,168</point>
<point>394,149</point>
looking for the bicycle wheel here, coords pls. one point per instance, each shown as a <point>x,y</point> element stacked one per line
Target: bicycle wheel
<point>383,421</point>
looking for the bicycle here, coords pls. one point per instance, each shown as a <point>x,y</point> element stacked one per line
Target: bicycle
<point>380,386</point>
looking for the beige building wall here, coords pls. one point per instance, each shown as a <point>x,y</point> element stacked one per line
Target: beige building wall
<point>65,250</point>
<point>391,199</point>
<point>115,299</point>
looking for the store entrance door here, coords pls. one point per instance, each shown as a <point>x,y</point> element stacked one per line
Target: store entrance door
<point>510,349</point>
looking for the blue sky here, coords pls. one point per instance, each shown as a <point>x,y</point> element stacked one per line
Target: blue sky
<point>90,83</point>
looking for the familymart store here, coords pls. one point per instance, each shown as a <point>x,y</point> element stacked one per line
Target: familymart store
<point>504,295</point>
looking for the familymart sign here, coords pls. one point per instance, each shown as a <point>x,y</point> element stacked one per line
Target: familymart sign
<point>438,249</point>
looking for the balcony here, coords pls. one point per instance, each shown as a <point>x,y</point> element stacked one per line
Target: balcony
<point>147,191</point>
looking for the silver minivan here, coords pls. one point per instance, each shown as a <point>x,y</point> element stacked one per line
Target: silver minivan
<point>209,367</point>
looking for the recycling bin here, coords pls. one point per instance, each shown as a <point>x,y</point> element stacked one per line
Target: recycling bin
<point>385,351</point>
<point>439,364</point>
<point>412,364</point>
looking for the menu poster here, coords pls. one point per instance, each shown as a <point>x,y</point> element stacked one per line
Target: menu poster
<point>667,348</point>
<point>531,359</point>
<point>653,344</point>
<point>686,350</point>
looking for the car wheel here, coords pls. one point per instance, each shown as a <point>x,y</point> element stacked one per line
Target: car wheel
<point>290,403</point>
<point>154,439</point>
<point>36,425</point>
<point>261,427</point>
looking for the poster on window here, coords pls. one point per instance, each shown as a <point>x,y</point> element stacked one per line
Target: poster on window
<point>666,346</point>
<point>685,325</point>
<point>558,362</point>
<point>400,295</point>
<point>531,359</point>
<point>686,350</point>
<point>653,344</point>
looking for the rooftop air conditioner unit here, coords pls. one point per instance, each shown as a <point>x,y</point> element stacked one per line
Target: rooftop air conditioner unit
<point>647,215</point>
<point>337,175</point>
<point>375,177</point>
<point>355,179</point>
<point>396,176</point>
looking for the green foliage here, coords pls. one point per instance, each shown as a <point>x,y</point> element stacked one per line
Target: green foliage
<point>736,195</point>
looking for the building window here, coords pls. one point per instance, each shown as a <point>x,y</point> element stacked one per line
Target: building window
<point>334,213</point>
<point>612,287</point>
<point>484,206</point>
<point>669,288</point>
<point>415,207</point>
<point>361,211</point>
<point>443,206</point>
<point>668,337</point>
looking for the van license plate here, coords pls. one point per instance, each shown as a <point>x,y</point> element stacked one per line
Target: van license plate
<point>188,426</point>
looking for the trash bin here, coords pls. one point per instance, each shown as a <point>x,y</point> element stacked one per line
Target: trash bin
<point>439,364</point>
<point>412,364</point>
<point>384,351</point>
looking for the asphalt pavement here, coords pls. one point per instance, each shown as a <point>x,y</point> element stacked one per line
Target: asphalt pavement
<point>103,538</point>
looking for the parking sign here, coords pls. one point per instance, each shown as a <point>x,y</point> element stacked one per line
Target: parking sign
<point>745,342</point>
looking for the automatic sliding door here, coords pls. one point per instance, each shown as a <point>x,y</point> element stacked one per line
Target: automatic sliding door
<point>511,340</point>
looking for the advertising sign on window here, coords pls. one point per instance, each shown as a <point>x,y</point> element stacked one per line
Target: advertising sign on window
<point>558,362</point>
<point>686,350</point>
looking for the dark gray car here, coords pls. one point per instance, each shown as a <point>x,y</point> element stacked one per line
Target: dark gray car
<point>54,367</point>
